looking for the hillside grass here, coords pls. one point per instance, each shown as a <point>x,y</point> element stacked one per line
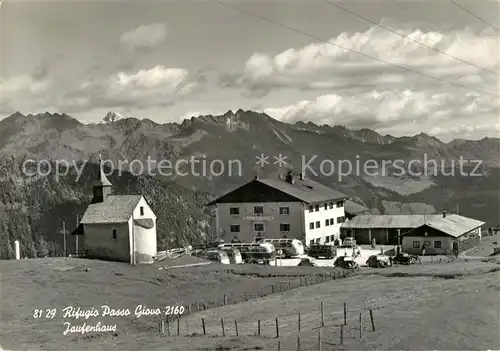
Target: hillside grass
<point>428,306</point>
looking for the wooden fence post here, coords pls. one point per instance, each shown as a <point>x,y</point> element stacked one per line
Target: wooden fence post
<point>168,326</point>
<point>345,313</point>
<point>178,326</point>
<point>189,309</point>
<point>298,343</point>
<point>246,299</point>
<point>272,287</point>
<point>222,325</point>
<point>322,319</point>
<point>279,345</point>
<point>187,327</point>
<point>203,325</point>
<point>299,323</point>
<point>341,335</point>
<point>162,327</point>
<point>360,327</point>
<point>236,327</point>
<point>225,299</point>
<point>258,327</point>
<point>319,340</point>
<point>371,318</point>
<point>277,329</point>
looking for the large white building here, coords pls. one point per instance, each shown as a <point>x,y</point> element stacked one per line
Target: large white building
<point>118,227</point>
<point>281,206</point>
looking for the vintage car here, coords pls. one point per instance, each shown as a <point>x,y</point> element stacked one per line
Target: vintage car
<point>379,261</point>
<point>405,258</point>
<point>326,251</point>
<point>346,262</point>
<point>306,262</point>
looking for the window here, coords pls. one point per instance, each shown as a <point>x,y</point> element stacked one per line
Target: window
<point>141,209</point>
<point>258,210</point>
<point>327,222</point>
<point>311,208</point>
<point>416,244</point>
<point>235,228</point>
<point>316,208</point>
<point>332,238</point>
<point>437,244</point>
<point>332,221</point>
<point>234,210</point>
<point>258,227</point>
<point>331,205</point>
<point>311,225</point>
<point>318,241</point>
<point>284,227</point>
<point>340,203</point>
<point>284,210</point>
<point>327,239</point>
<point>114,233</point>
<point>318,224</point>
<point>311,242</point>
<point>326,206</point>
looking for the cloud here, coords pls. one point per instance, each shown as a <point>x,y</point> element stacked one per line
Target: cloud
<point>144,36</point>
<point>393,111</point>
<point>326,67</point>
<point>157,86</point>
<point>23,92</point>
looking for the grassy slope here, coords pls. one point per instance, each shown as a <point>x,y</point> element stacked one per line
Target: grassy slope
<point>59,282</point>
<point>416,312</point>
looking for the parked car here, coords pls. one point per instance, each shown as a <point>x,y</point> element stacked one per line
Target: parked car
<point>306,262</point>
<point>346,262</point>
<point>349,242</point>
<point>405,258</point>
<point>379,261</point>
<point>326,251</point>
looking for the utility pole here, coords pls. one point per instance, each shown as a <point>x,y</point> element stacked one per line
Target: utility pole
<point>64,236</point>
<point>77,223</point>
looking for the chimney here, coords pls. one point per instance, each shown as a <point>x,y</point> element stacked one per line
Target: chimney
<point>444,214</point>
<point>256,177</point>
<point>290,178</point>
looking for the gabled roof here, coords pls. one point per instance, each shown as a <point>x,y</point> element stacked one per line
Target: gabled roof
<point>114,209</point>
<point>389,221</point>
<point>453,225</point>
<point>306,190</point>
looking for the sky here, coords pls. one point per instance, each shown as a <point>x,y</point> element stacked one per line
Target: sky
<point>398,67</point>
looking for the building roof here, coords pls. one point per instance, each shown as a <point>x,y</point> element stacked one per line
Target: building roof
<point>144,222</point>
<point>354,208</point>
<point>306,190</point>
<point>389,221</point>
<point>114,209</point>
<point>454,225</point>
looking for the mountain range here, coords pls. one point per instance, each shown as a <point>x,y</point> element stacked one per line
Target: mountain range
<point>237,138</point>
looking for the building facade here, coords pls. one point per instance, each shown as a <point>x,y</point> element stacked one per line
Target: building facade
<point>118,227</point>
<point>446,235</point>
<point>281,206</point>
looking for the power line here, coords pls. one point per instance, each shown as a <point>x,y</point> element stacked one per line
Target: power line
<point>473,14</point>
<point>407,37</point>
<point>351,50</point>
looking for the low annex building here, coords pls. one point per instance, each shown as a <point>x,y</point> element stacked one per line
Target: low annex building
<point>391,229</point>
<point>446,235</point>
<point>118,227</point>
